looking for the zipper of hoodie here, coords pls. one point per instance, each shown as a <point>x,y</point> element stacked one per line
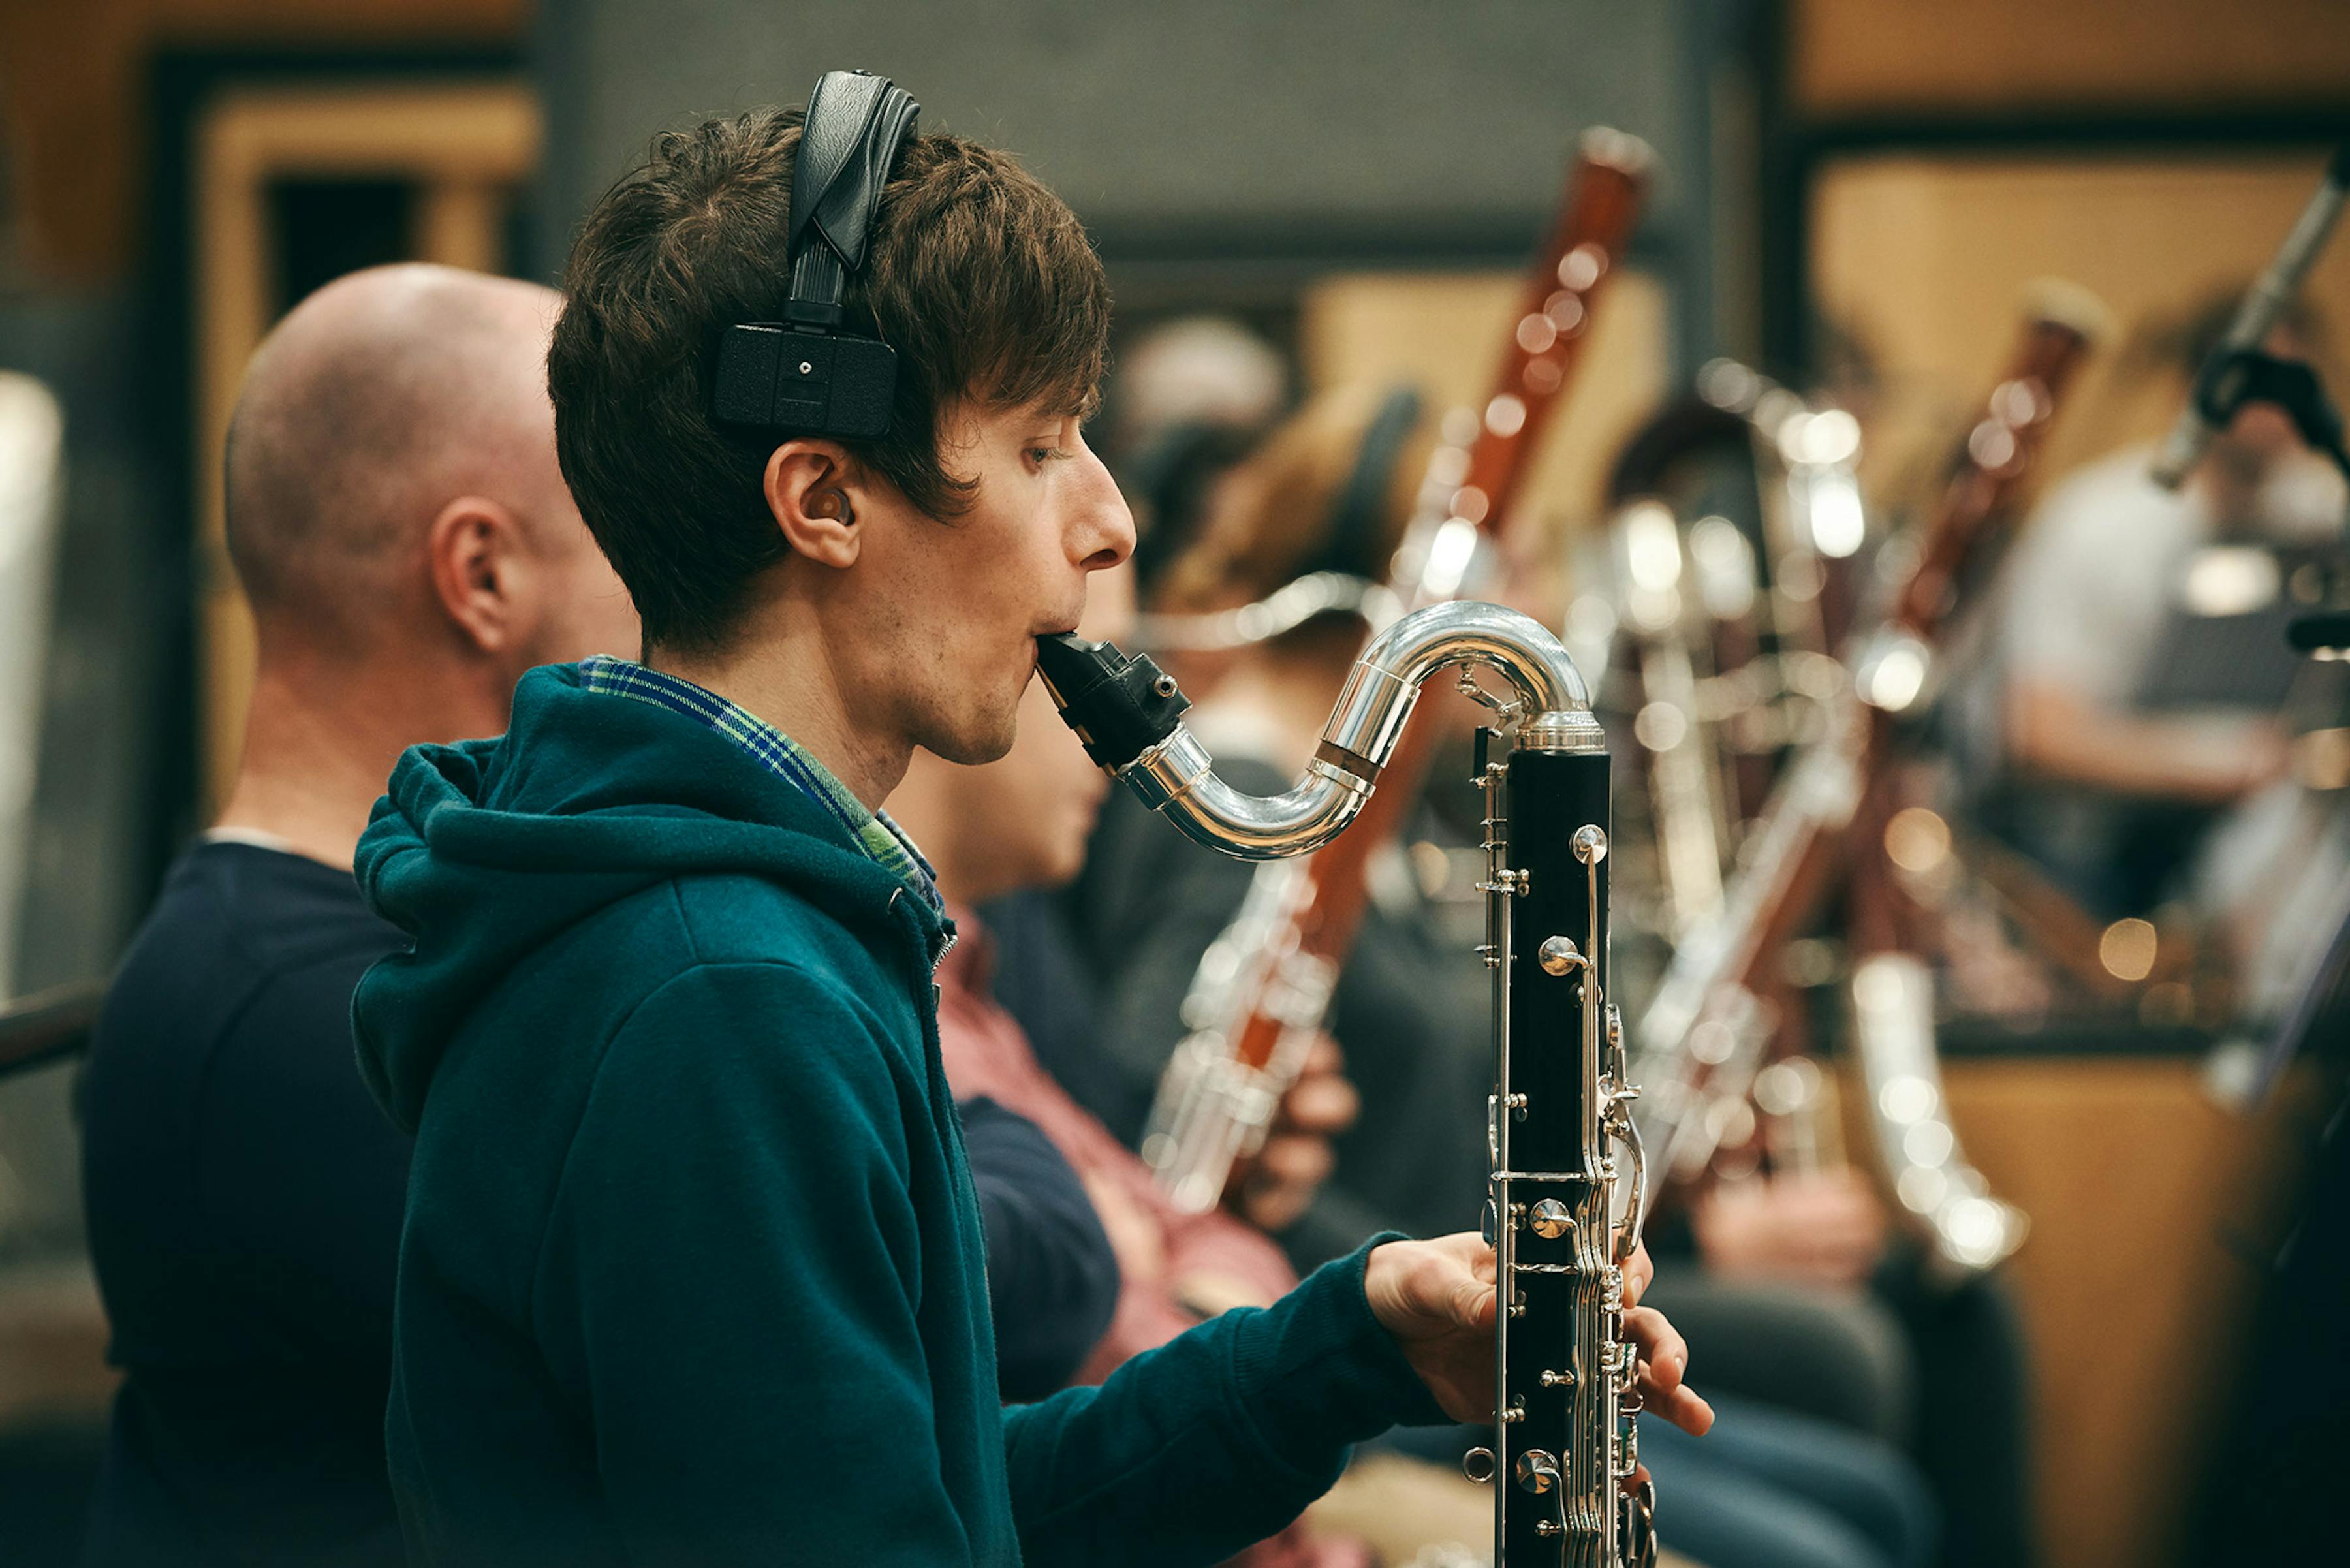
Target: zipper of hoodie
<point>946,946</point>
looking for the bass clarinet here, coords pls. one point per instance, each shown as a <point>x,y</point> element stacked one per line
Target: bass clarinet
<point>1568,1172</point>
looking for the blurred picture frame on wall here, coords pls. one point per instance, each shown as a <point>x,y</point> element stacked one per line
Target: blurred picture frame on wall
<point>293,182</point>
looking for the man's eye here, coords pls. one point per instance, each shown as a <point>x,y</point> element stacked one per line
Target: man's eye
<point>1044,454</point>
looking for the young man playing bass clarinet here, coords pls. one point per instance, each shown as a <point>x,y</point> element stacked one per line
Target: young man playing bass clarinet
<point>404,538</point>
<point>692,1269</point>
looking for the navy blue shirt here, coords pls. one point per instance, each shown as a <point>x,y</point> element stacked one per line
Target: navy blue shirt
<point>245,1194</point>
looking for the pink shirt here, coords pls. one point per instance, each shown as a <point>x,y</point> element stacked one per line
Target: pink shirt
<point>1164,1255</point>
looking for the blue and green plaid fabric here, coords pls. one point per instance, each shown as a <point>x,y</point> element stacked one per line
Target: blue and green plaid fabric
<point>880,838</point>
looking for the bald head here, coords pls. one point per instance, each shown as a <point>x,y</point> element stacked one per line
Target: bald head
<point>378,402</point>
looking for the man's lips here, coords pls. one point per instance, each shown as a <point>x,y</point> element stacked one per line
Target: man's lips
<point>1060,628</point>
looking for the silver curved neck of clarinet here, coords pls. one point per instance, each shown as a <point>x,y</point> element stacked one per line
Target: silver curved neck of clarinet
<point>1548,707</point>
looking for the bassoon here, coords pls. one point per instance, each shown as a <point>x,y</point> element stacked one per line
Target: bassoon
<point>1264,986</point>
<point>1702,1035</point>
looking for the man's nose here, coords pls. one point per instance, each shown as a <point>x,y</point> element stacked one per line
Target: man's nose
<point>1104,523</point>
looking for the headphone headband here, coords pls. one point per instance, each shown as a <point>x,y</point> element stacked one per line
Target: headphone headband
<point>807,375</point>
<point>855,124</point>
<point>1350,536</point>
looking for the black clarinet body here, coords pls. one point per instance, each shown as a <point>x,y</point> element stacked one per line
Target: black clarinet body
<point>1561,1209</point>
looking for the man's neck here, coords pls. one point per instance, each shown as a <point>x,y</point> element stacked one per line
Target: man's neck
<point>924,807</point>
<point>314,761</point>
<point>793,683</point>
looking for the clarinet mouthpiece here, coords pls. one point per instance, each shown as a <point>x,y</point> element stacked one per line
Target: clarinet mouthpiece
<point>1120,706</point>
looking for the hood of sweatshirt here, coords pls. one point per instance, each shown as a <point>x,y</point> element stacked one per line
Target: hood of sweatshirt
<point>484,850</point>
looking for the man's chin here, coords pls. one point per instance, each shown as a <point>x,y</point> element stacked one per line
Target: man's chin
<point>1065,867</point>
<point>977,746</point>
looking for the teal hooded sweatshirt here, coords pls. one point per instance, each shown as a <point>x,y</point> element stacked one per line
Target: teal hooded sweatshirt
<point>693,1271</point>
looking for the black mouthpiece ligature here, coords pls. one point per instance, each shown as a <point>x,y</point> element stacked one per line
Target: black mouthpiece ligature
<point>1119,707</point>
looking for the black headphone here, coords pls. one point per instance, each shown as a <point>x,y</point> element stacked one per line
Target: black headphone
<point>1350,538</point>
<point>808,374</point>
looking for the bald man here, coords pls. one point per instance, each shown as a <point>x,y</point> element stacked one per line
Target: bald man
<point>403,531</point>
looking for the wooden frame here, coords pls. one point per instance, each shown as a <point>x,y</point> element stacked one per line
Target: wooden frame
<point>467,145</point>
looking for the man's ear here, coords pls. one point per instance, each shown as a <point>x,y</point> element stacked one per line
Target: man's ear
<point>813,490</point>
<point>481,572</point>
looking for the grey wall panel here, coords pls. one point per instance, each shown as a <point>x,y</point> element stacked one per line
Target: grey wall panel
<point>1163,122</point>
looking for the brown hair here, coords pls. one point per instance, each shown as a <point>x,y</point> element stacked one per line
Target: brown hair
<point>1273,513</point>
<point>980,277</point>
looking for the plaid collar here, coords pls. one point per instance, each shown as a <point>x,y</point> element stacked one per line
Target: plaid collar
<point>882,840</point>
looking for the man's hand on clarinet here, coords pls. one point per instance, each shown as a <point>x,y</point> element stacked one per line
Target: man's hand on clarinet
<point>1438,1299</point>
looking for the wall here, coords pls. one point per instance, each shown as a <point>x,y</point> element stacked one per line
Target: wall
<point>1166,126</point>
<point>72,98</point>
<point>2073,57</point>
<point>1928,260</point>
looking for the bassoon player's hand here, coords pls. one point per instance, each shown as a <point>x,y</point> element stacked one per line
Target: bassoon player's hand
<point>1273,1189</point>
<point>1438,1299</point>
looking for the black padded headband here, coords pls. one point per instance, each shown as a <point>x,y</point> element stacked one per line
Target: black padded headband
<point>1352,535</point>
<point>810,373</point>
<point>856,123</point>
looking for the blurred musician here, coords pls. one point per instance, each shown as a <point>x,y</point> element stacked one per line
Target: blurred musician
<point>1149,903</point>
<point>409,549</point>
<point>1810,1305</point>
<point>2139,644</point>
<point>1192,373</point>
<point>1191,398</point>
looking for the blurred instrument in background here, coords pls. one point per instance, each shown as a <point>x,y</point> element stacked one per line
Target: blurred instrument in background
<point>1264,986</point>
<point>1708,1030</point>
<point>1284,609</point>
<point>40,1031</point>
<point>32,487</point>
<point>1724,629</point>
<point>48,1026</point>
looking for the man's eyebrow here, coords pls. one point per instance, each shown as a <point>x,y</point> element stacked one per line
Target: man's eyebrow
<point>1075,405</point>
